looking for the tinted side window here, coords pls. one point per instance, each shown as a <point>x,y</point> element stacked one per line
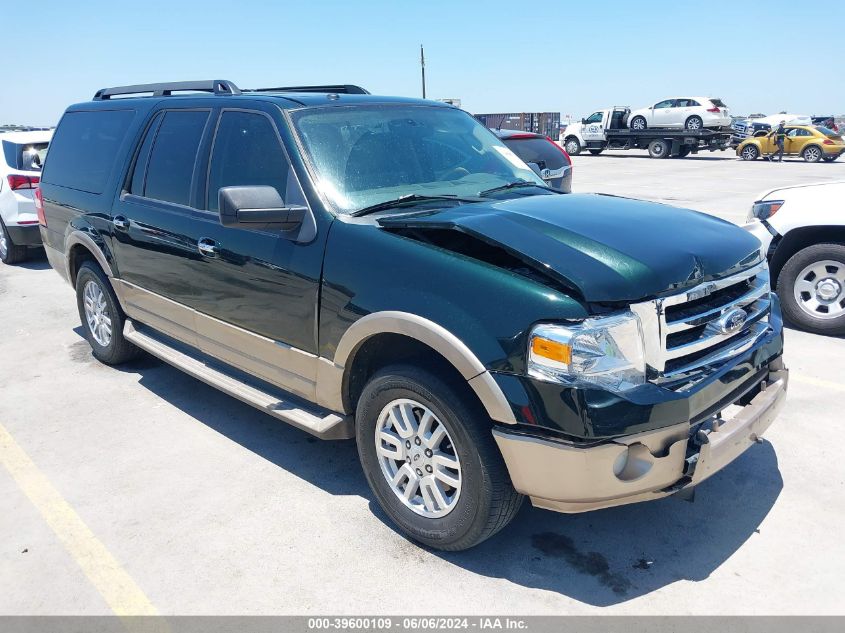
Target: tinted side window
<point>174,153</point>
<point>669,103</point>
<point>247,152</point>
<point>595,117</point>
<point>538,150</point>
<point>85,147</point>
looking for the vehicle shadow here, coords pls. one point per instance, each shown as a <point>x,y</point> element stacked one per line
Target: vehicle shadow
<point>331,465</point>
<point>35,262</point>
<point>611,556</point>
<point>600,558</point>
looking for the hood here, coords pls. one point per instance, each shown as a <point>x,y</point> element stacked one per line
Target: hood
<point>605,248</point>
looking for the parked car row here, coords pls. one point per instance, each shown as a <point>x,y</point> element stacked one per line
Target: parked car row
<point>389,271</point>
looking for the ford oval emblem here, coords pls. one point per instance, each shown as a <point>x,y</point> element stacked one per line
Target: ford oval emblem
<point>732,321</point>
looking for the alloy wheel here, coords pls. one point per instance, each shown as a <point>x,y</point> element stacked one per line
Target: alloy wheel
<point>820,289</point>
<point>418,458</point>
<point>812,154</point>
<point>97,313</point>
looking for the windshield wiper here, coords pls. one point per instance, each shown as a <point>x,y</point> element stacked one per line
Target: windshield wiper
<point>407,199</point>
<point>514,185</point>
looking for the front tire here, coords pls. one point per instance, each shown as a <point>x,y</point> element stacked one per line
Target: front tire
<point>431,460</point>
<point>811,287</point>
<point>10,253</point>
<point>694,123</point>
<point>638,123</point>
<point>749,152</point>
<point>572,146</point>
<point>101,316</point>
<point>812,154</point>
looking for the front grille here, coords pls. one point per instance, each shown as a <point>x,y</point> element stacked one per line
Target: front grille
<point>691,333</point>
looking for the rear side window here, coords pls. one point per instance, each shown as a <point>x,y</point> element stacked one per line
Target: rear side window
<point>85,147</point>
<point>247,151</point>
<point>173,156</point>
<point>538,150</point>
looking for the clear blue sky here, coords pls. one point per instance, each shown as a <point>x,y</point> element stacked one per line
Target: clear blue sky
<point>571,57</point>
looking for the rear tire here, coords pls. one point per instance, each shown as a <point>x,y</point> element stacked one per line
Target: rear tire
<point>830,159</point>
<point>683,152</point>
<point>694,123</point>
<point>638,123</point>
<point>658,148</point>
<point>572,146</point>
<point>101,316</point>
<point>812,153</point>
<point>749,152</point>
<point>815,301</point>
<point>10,253</point>
<point>596,152</point>
<point>481,502</point>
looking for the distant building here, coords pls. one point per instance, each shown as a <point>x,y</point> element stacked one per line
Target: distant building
<point>546,123</point>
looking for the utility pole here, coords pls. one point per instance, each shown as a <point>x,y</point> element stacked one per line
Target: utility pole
<point>422,68</point>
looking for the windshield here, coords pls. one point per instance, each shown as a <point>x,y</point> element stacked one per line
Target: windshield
<point>364,155</point>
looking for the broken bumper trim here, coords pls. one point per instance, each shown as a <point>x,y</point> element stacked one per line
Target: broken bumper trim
<point>567,478</point>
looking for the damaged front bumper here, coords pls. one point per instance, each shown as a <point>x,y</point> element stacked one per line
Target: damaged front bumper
<point>569,478</point>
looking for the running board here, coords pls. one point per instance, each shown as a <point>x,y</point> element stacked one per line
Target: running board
<point>326,426</point>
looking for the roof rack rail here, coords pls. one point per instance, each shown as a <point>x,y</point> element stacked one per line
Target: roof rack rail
<point>349,89</point>
<point>216,86</point>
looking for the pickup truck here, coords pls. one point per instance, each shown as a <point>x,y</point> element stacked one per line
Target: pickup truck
<point>387,270</point>
<point>608,129</point>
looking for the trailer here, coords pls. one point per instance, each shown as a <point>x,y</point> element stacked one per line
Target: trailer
<point>607,129</point>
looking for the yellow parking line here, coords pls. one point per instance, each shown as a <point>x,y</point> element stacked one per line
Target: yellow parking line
<point>102,569</point>
<point>818,382</point>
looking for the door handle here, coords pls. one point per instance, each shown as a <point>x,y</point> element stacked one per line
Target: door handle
<point>207,247</point>
<point>120,222</point>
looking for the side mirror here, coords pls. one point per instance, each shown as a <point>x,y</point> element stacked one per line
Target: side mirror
<point>583,121</point>
<point>257,207</point>
<point>535,168</point>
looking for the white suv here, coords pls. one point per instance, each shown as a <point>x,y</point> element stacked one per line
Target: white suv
<point>690,113</point>
<point>21,157</point>
<point>802,229</point>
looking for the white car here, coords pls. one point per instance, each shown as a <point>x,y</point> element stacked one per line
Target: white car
<point>802,228</point>
<point>21,156</point>
<point>690,113</point>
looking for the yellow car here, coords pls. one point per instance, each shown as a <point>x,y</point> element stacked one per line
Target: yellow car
<point>812,142</point>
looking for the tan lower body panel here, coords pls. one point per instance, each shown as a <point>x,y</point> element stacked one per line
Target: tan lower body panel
<point>566,478</point>
<point>279,364</point>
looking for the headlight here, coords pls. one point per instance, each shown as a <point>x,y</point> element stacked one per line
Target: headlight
<point>606,352</point>
<point>764,209</point>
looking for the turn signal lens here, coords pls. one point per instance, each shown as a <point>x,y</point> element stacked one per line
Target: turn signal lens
<point>553,350</point>
<point>764,209</point>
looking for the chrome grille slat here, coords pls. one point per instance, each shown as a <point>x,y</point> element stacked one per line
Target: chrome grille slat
<point>760,289</point>
<point>709,340</point>
<point>678,339</point>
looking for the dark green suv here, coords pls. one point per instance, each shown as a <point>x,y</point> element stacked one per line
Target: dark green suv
<point>386,269</point>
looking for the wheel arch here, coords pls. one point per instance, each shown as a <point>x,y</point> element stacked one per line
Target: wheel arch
<point>386,337</point>
<point>812,144</point>
<point>798,239</point>
<point>80,247</point>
